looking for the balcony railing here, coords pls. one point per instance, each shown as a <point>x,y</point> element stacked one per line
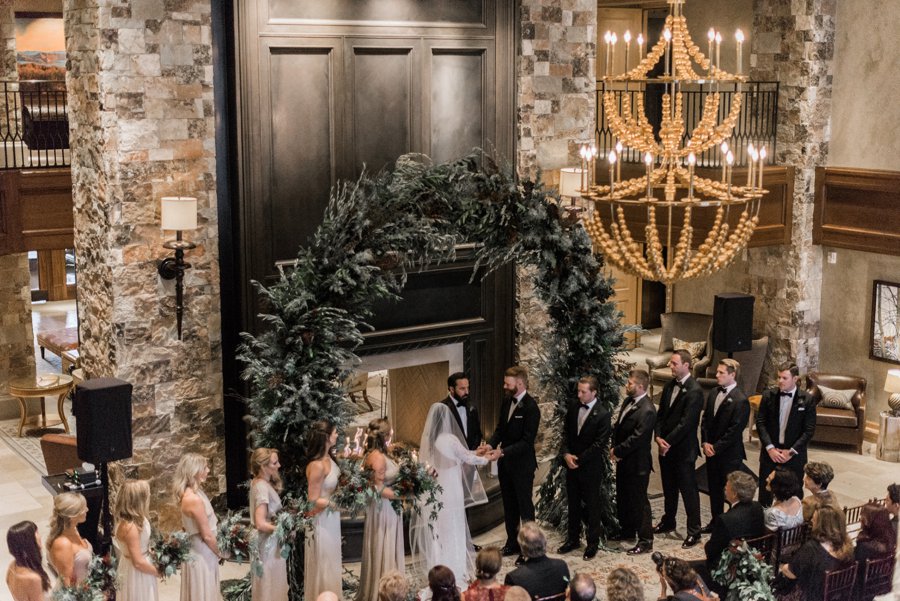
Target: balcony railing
<point>757,122</point>
<point>34,125</point>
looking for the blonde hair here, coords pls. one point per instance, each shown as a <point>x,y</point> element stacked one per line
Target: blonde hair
<point>259,459</point>
<point>186,474</point>
<point>66,507</point>
<point>133,502</point>
<point>377,434</point>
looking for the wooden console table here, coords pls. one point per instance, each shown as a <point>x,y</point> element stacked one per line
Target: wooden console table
<point>38,387</point>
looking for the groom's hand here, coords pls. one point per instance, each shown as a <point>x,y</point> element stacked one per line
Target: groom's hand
<point>571,461</point>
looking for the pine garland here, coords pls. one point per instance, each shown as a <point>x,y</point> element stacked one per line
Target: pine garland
<point>377,229</point>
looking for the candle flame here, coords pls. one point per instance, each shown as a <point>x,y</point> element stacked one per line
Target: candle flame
<point>739,36</point>
<point>667,34</point>
<point>612,157</point>
<point>711,34</point>
<point>627,36</point>
<point>692,159</point>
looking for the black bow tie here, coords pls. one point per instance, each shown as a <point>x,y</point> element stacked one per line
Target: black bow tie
<point>679,385</point>
<point>787,394</point>
<point>583,406</point>
<point>723,390</point>
<point>462,404</point>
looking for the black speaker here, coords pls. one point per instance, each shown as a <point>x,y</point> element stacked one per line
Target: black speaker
<point>102,409</point>
<point>733,322</point>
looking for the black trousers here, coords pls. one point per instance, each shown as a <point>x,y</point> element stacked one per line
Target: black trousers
<point>678,477</point>
<point>717,471</point>
<point>518,506</point>
<point>634,506</point>
<point>767,466</point>
<point>583,491</point>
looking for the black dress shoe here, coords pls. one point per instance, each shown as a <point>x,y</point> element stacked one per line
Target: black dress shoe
<point>507,551</point>
<point>690,541</point>
<point>662,528</point>
<point>707,529</point>
<point>568,546</point>
<point>520,560</point>
<point>590,552</point>
<point>639,549</point>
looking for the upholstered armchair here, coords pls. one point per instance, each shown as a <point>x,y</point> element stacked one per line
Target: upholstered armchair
<point>751,367</point>
<point>690,327</point>
<point>60,452</point>
<point>835,424</point>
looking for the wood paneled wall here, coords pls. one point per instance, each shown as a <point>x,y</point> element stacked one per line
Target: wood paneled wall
<point>36,210</point>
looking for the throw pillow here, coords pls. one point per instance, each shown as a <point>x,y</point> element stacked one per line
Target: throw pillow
<point>836,399</point>
<point>694,348</point>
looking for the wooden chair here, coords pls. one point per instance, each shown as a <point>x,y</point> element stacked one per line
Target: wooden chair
<point>765,546</point>
<point>839,584</point>
<point>877,576</point>
<point>789,542</point>
<point>358,384</point>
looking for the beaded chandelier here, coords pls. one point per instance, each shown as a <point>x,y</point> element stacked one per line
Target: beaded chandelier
<point>667,200</point>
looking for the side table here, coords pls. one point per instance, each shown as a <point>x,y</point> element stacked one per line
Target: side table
<point>38,387</point>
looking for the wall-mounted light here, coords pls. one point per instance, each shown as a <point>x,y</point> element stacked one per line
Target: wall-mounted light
<point>179,213</point>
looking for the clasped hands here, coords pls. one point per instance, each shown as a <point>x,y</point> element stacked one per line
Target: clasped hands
<point>780,455</point>
<point>485,450</point>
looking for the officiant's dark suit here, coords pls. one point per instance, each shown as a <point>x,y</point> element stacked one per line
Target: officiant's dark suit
<point>677,422</point>
<point>515,435</point>
<point>723,429</point>
<point>588,444</point>
<point>631,449</point>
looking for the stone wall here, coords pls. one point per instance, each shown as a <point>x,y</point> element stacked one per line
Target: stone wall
<point>8,70</point>
<point>16,336</point>
<point>142,127</point>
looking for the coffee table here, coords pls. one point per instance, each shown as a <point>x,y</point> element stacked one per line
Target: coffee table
<point>38,387</point>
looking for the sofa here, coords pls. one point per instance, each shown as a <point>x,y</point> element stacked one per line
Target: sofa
<point>844,426</point>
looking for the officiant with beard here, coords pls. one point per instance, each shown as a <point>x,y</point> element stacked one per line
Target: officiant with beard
<point>464,413</point>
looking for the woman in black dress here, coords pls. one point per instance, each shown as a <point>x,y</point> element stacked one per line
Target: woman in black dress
<point>829,548</point>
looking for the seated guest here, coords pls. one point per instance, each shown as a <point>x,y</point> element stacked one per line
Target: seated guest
<point>828,548</point>
<point>623,584</point>
<point>892,504</point>
<point>686,585</point>
<point>540,575</point>
<point>26,578</point>
<point>876,539</point>
<point>745,519</point>
<point>393,586</point>
<point>786,510</point>
<point>486,588</point>
<point>442,584</point>
<point>582,588</point>
<point>816,478</point>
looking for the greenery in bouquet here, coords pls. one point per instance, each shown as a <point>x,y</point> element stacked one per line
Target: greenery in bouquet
<point>234,537</point>
<point>294,519</point>
<point>744,574</point>
<point>168,553</point>
<point>416,486</point>
<point>78,592</point>
<point>102,574</point>
<point>354,489</point>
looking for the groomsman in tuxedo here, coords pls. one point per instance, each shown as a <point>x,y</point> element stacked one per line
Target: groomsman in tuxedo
<point>632,455</point>
<point>677,422</point>
<point>725,416</point>
<point>464,414</point>
<point>585,439</point>
<point>514,438</point>
<point>786,422</point>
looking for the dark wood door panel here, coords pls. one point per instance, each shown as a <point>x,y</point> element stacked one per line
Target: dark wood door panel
<point>458,79</point>
<point>380,12</point>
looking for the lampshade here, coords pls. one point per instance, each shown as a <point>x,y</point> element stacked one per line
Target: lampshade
<point>892,383</point>
<point>570,181</point>
<point>179,213</point>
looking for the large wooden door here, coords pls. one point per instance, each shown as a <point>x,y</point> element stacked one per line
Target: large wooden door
<point>628,300</point>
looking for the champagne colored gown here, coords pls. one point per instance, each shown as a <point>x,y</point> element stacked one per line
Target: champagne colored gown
<point>382,549</point>
<point>200,574</point>
<point>323,546</point>
<point>134,585</point>
<point>272,585</point>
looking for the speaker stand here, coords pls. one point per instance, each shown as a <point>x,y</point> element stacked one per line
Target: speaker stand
<point>105,513</point>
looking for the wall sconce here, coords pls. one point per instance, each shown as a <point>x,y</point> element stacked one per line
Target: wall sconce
<point>571,181</point>
<point>179,213</point>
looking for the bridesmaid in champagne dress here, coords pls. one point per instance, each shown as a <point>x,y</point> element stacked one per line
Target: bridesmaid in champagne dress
<point>68,554</point>
<point>200,574</point>
<point>382,549</point>
<point>26,577</point>
<point>272,585</point>
<point>136,573</point>
<point>323,545</point>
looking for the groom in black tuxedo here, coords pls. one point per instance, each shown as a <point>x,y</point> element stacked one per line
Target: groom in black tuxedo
<point>514,438</point>
<point>464,413</point>
<point>585,439</point>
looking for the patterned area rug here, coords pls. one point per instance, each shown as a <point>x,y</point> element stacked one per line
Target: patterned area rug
<point>27,447</point>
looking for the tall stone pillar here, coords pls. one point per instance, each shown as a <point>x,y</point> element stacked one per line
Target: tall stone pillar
<point>793,43</point>
<point>141,121</point>
<point>555,111</point>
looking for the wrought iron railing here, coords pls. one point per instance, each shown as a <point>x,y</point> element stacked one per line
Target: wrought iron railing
<point>34,125</point>
<point>757,122</point>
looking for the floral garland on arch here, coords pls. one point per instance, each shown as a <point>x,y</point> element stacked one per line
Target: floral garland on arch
<point>374,231</point>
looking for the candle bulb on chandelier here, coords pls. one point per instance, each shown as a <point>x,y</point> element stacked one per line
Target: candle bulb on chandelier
<point>612,39</point>
<point>751,152</point>
<point>739,36</point>
<point>667,35</point>
<point>593,157</point>
<point>627,38</point>
<point>762,161</point>
<point>612,171</point>
<point>607,37</point>
<point>729,158</point>
<point>648,161</point>
<point>718,50</point>
<point>583,153</point>
<point>692,160</point>
<point>619,149</point>
<point>640,43</point>
<point>711,36</point>
<point>724,149</point>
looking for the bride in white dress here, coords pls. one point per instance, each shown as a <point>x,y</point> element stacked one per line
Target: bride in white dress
<point>446,541</point>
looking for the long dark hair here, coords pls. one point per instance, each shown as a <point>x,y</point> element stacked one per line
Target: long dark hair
<point>442,583</point>
<point>317,439</point>
<point>23,546</point>
<point>876,528</point>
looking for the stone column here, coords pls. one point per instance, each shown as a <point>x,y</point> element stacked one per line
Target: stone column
<point>793,43</point>
<point>8,69</point>
<point>555,111</point>
<point>141,121</point>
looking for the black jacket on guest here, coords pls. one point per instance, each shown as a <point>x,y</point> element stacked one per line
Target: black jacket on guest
<point>743,520</point>
<point>589,444</point>
<point>472,432</point>
<point>632,436</point>
<point>541,577</point>
<point>801,424</point>
<point>724,429</point>
<point>677,422</point>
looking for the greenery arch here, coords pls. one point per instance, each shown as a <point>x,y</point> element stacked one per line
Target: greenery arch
<point>377,228</point>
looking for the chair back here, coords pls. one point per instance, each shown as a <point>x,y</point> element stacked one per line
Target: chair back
<point>556,597</point>
<point>789,542</point>
<point>60,453</point>
<point>877,576</point>
<point>853,517</point>
<point>839,584</point>
<point>765,546</point>
<point>690,327</point>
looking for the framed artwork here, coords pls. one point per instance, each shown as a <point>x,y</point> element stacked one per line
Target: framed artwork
<point>885,322</point>
<point>40,46</point>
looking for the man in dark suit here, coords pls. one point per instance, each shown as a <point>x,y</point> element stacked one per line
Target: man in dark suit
<point>464,414</point>
<point>632,456</point>
<point>786,422</point>
<point>540,575</point>
<point>677,421</point>
<point>585,438</point>
<point>745,519</point>
<point>725,416</point>
<point>514,438</point>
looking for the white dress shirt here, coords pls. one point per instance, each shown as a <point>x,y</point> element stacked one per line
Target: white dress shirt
<point>515,403</point>
<point>721,397</point>
<point>583,413</point>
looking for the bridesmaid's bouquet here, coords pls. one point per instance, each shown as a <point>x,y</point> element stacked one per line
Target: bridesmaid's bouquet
<point>416,486</point>
<point>77,592</point>
<point>168,553</point>
<point>98,585</point>
<point>293,520</point>
<point>354,489</point>
<point>234,537</point>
